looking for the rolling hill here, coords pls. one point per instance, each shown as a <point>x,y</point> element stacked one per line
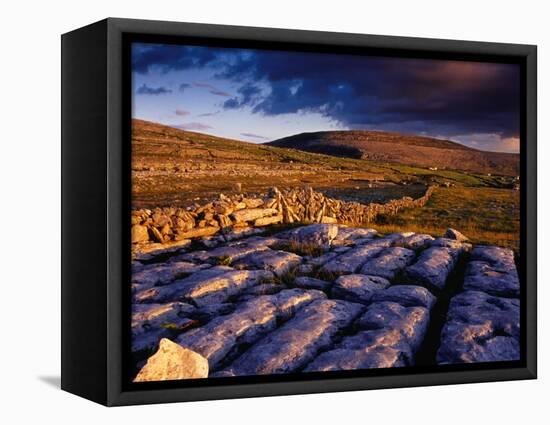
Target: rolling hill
<point>402,149</point>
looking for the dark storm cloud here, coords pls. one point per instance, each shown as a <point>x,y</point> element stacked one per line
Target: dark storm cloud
<point>249,94</point>
<point>164,57</point>
<point>145,89</point>
<point>443,98</point>
<point>184,86</point>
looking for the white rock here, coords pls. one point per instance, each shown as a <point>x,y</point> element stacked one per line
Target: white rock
<point>173,362</point>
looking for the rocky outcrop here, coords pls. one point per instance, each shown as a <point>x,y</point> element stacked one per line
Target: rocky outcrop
<point>433,267</point>
<point>455,234</point>
<point>298,341</point>
<point>347,298</point>
<point>320,235</point>
<point>358,287</point>
<point>389,262</point>
<point>483,322</point>
<point>480,328</point>
<point>172,362</point>
<point>279,262</point>
<point>492,270</point>
<point>246,325</point>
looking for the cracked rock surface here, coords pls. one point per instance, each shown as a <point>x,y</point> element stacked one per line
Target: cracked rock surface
<point>321,297</point>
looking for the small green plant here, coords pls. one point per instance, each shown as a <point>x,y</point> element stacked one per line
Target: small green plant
<point>287,278</point>
<point>224,261</point>
<point>326,276</point>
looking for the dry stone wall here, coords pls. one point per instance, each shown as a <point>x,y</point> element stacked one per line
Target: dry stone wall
<point>228,213</point>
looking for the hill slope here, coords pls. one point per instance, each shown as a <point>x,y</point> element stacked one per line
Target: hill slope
<point>173,167</point>
<point>403,149</point>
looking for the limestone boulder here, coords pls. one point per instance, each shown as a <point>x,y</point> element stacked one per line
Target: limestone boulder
<point>163,274</point>
<point>320,235</point>
<point>374,349</point>
<point>251,214</point>
<point>416,241</point>
<point>173,362</point>
<point>222,337</point>
<point>432,267</point>
<point>357,287</point>
<point>151,316</point>
<point>455,234</point>
<point>406,295</point>
<point>389,262</point>
<point>306,282</point>
<point>278,262</point>
<point>480,328</point>
<point>412,322</point>
<point>492,270</point>
<point>199,232</point>
<point>352,260</point>
<point>494,280</point>
<point>210,286</point>
<point>266,221</point>
<point>139,233</point>
<point>298,341</point>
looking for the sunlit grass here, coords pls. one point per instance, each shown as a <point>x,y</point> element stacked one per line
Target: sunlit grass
<point>484,215</point>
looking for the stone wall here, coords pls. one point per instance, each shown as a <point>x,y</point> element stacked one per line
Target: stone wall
<point>228,213</point>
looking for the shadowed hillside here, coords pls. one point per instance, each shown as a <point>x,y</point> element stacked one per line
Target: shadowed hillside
<point>402,149</point>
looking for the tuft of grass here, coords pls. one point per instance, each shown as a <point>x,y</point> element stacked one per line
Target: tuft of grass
<point>301,248</point>
<point>224,261</point>
<point>326,276</point>
<point>287,278</point>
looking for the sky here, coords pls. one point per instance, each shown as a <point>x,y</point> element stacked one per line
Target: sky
<point>262,95</point>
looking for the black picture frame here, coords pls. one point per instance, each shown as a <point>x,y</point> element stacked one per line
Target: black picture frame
<point>96,199</point>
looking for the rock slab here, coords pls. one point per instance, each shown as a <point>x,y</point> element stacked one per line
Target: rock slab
<point>173,362</point>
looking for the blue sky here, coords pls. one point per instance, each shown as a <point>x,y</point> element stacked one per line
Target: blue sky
<point>260,95</point>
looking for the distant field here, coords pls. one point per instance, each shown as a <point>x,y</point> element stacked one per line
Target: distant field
<point>485,215</point>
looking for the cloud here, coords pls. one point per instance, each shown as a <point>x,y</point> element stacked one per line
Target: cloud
<point>254,136</point>
<point>182,112</point>
<point>154,91</point>
<point>164,57</point>
<point>194,126</point>
<point>432,97</point>
<point>184,86</point>
<point>490,142</point>
<point>208,114</point>
<point>212,89</point>
<point>360,91</point>
<point>249,94</point>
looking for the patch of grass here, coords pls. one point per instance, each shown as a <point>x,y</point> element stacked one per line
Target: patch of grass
<point>301,248</point>
<point>324,275</point>
<point>484,215</point>
<point>179,328</point>
<point>224,261</point>
<point>287,278</point>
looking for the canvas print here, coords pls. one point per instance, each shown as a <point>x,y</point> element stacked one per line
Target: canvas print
<point>302,212</point>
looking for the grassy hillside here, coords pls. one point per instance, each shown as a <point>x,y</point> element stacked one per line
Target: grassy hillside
<point>176,167</point>
<point>403,149</point>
